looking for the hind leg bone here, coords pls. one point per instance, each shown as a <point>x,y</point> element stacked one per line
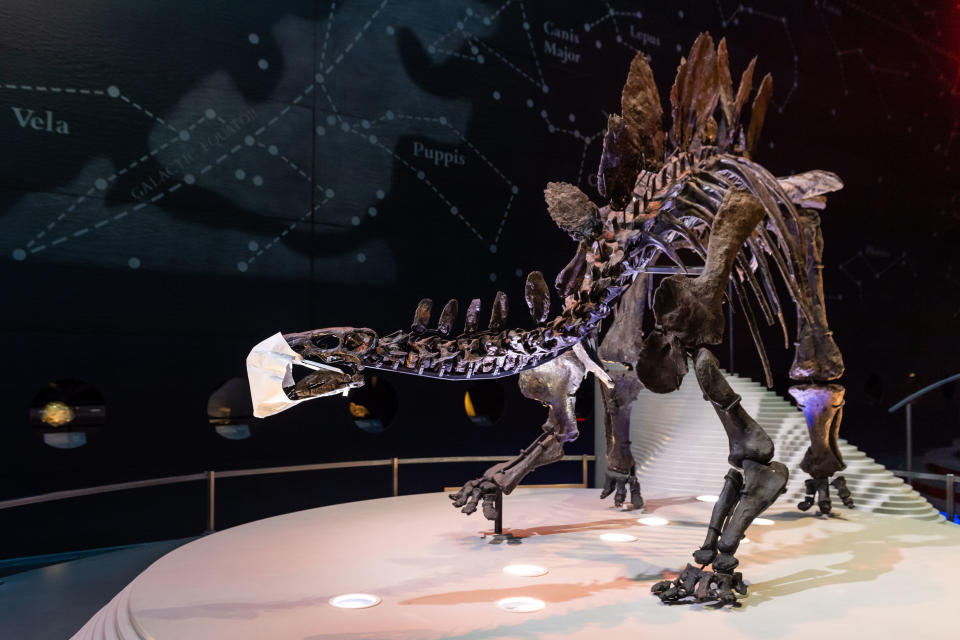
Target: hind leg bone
<point>743,498</point>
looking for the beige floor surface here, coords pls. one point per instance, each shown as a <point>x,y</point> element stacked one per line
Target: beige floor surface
<point>858,575</point>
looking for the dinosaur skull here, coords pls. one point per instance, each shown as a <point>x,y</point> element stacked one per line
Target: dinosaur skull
<point>336,354</point>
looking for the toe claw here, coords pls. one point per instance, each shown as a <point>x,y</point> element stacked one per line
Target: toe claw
<point>607,489</point>
<point>636,498</point>
<point>469,496</point>
<point>489,507</point>
<point>660,587</point>
<point>738,584</point>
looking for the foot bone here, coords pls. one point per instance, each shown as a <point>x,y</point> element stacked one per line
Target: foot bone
<point>699,585</point>
<point>617,484</point>
<point>484,488</point>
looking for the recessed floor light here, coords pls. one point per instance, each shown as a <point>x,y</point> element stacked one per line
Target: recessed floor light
<point>653,521</point>
<point>355,601</point>
<point>618,537</point>
<point>525,570</point>
<point>708,498</point>
<point>763,522</point>
<point>521,604</point>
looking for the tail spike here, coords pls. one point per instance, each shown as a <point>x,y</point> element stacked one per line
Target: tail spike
<point>473,311</point>
<point>537,295</point>
<point>421,317</point>
<point>447,317</point>
<point>498,315</point>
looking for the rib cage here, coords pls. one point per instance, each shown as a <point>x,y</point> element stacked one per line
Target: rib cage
<point>681,201</point>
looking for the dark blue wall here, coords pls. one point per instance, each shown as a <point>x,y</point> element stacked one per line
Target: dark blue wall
<point>225,170</point>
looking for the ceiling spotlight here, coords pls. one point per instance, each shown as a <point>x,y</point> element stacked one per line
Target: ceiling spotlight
<point>618,537</point>
<point>355,601</point>
<point>521,604</point>
<point>653,521</point>
<point>763,522</point>
<point>708,498</point>
<point>525,570</point>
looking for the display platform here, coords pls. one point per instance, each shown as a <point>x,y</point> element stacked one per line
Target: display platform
<point>857,573</point>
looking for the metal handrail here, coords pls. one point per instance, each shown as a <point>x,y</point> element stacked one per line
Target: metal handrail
<point>211,476</point>
<point>930,387</point>
<point>908,402</point>
<point>106,488</point>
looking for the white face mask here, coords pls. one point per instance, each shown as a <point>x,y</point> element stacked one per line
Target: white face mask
<point>270,369</point>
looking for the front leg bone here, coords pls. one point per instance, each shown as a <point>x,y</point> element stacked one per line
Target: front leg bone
<point>621,469</point>
<point>505,476</point>
<point>619,352</point>
<point>553,384</point>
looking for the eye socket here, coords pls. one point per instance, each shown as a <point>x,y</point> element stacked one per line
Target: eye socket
<point>325,341</point>
<point>357,340</point>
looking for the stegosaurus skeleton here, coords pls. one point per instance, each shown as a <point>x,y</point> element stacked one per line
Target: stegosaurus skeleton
<point>707,198</point>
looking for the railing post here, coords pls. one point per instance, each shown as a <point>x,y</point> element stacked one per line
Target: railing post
<point>950,501</point>
<point>396,477</point>
<point>909,436</point>
<point>211,500</point>
<point>583,460</point>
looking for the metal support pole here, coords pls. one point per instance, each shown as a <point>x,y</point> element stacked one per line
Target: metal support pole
<point>498,523</point>
<point>950,501</point>
<point>211,500</point>
<point>730,322</point>
<point>396,477</point>
<point>599,436</point>
<point>583,460</point>
<point>910,437</point>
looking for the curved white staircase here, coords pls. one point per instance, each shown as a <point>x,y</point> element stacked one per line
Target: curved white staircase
<point>681,450</point>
